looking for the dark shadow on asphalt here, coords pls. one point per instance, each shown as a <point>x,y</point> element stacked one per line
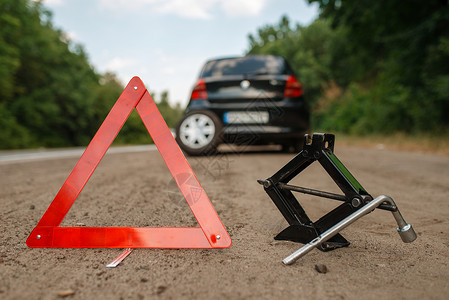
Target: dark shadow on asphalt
<point>247,150</point>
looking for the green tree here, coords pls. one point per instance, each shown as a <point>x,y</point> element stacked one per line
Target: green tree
<point>47,82</point>
<point>171,114</point>
<point>49,94</point>
<point>401,48</point>
<point>369,66</point>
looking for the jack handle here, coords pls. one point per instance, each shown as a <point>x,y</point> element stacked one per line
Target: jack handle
<point>404,229</point>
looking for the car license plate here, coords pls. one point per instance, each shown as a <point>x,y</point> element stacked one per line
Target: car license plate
<point>245,117</point>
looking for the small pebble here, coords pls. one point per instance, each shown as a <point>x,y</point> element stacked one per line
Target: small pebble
<point>1,260</point>
<point>320,268</point>
<point>66,293</point>
<point>161,289</point>
<point>32,207</point>
<point>60,256</point>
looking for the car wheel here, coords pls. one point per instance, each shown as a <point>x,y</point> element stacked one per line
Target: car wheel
<point>292,147</point>
<point>199,132</point>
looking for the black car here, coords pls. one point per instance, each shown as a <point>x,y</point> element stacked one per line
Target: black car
<point>255,99</point>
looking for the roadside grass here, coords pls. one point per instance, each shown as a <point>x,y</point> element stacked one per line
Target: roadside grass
<point>424,143</point>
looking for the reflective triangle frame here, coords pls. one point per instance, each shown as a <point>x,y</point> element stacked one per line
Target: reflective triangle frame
<point>210,234</point>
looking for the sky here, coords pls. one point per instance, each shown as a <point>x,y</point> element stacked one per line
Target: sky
<point>166,42</point>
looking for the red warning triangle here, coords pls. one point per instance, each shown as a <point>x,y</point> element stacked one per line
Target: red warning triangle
<point>210,234</point>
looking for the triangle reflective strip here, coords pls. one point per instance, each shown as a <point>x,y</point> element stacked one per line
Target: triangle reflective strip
<point>210,234</point>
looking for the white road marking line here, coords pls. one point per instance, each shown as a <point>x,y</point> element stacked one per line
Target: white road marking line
<point>29,155</point>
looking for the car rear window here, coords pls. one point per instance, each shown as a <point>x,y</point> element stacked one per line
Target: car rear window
<point>248,65</point>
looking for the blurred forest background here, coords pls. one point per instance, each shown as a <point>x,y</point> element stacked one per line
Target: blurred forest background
<point>367,67</point>
<point>370,67</point>
<point>50,95</point>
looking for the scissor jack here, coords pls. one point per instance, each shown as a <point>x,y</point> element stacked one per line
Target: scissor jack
<point>357,202</point>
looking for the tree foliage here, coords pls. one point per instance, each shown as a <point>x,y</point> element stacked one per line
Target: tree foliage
<point>370,66</point>
<point>50,95</point>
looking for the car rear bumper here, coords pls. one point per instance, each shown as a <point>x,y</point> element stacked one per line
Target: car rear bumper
<point>244,135</point>
<point>286,114</point>
<point>288,120</point>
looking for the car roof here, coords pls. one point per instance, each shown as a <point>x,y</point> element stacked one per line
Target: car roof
<point>249,55</point>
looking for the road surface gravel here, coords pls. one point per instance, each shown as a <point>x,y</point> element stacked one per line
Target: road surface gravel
<point>135,189</point>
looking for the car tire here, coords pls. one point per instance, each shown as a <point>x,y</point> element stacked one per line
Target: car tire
<point>292,146</point>
<point>199,132</point>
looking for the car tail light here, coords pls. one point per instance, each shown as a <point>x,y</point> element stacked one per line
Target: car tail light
<point>293,88</point>
<point>199,91</point>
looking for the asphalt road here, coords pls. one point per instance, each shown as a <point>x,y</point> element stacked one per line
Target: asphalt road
<point>136,189</point>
